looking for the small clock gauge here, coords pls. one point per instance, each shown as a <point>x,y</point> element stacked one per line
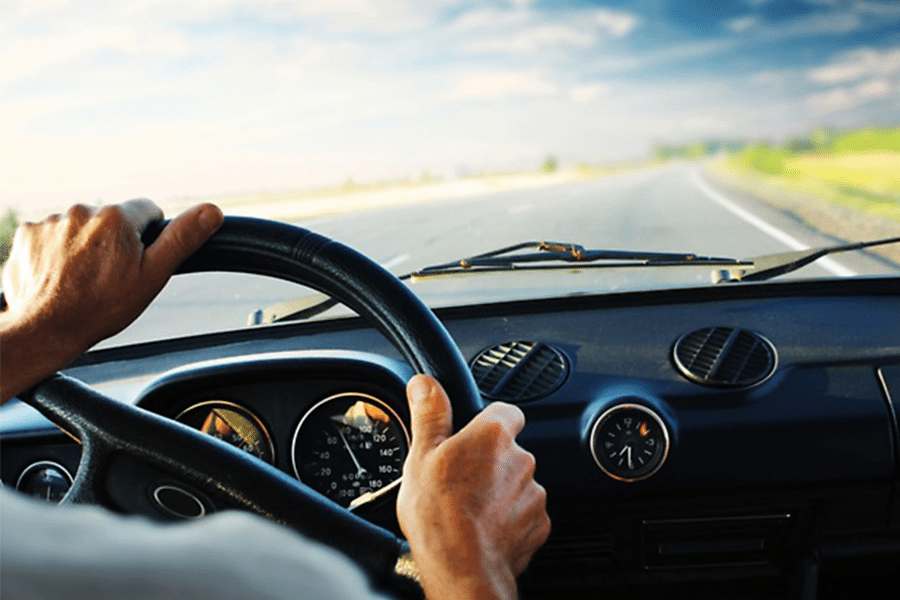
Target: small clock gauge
<point>629,442</point>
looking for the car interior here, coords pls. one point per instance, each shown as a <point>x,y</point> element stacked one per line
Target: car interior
<point>737,441</point>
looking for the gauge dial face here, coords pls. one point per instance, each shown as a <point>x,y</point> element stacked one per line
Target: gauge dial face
<point>629,442</point>
<point>45,480</point>
<point>232,424</point>
<point>350,447</point>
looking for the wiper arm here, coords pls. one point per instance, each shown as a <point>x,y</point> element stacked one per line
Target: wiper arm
<point>511,258</point>
<point>769,266</point>
<point>508,258</point>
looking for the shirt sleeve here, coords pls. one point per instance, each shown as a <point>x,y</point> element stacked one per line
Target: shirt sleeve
<point>86,552</point>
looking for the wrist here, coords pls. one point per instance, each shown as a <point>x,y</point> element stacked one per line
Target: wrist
<point>448,574</point>
<point>29,352</point>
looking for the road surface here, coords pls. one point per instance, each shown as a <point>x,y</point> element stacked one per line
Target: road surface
<point>674,207</point>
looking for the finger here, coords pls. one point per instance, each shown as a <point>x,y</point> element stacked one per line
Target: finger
<point>535,538</point>
<point>181,238</point>
<point>498,414</point>
<point>140,212</point>
<point>429,409</point>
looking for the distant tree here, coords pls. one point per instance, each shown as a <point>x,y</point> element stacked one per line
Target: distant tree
<point>550,165</point>
<point>821,139</point>
<point>8,224</point>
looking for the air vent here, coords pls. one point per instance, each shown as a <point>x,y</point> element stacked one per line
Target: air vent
<point>519,371</point>
<point>725,357</point>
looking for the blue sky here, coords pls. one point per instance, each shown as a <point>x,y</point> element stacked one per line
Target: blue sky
<point>100,101</point>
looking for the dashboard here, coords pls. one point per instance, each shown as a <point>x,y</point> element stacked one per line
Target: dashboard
<point>685,437</point>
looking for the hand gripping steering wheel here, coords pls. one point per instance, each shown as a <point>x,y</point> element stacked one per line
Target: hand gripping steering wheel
<point>110,430</point>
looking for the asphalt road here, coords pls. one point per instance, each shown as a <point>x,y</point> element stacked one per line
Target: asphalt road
<point>670,208</point>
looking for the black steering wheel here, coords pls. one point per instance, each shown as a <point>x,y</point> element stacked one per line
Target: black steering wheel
<point>111,432</point>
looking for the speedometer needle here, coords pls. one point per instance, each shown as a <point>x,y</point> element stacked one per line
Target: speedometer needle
<point>359,468</point>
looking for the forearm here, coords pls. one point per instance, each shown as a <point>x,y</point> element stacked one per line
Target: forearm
<point>28,354</point>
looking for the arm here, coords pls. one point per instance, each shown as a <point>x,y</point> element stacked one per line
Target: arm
<point>75,279</point>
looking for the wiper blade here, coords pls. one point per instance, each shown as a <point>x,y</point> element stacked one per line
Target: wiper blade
<point>770,266</point>
<point>508,258</point>
<point>512,258</point>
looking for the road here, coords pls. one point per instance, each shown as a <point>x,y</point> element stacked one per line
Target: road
<point>674,207</point>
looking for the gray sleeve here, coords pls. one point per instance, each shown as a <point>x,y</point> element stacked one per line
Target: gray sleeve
<point>86,552</point>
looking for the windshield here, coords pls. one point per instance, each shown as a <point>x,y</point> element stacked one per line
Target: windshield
<point>427,131</point>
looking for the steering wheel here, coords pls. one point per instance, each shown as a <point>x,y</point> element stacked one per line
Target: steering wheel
<point>111,431</point>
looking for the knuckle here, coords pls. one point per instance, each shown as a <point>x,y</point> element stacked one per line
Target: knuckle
<point>545,527</point>
<point>541,494</point>
<point>494,430</point>
<point>78,212</point>
<point>111,214</point>
<point>510,412</point>
<point>530,463</point>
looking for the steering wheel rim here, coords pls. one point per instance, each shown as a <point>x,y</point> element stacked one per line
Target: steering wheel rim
<point>110,430</point>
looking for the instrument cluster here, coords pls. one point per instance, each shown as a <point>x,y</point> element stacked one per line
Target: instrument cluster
<point>348,446</point>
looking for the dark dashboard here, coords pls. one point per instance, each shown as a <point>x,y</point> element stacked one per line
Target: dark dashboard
<point>700,436</point>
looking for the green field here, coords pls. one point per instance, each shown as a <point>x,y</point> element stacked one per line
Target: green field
<point>857,169</point>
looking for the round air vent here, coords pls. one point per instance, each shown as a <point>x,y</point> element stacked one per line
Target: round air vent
<point>725,357</point>
<point>519,371</point>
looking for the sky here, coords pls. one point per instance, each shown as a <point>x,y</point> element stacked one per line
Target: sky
<point>102,101</point>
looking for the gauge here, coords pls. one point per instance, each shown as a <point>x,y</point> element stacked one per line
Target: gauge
<point>233,424</point>
<point>46,480</point>
<point>350,447</point>
<point>629,442</point>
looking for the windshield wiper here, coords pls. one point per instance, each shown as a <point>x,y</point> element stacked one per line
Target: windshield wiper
<point>511,258</point>
<point>566,256</point>
<point>508,258</point>
<point>769,266</point>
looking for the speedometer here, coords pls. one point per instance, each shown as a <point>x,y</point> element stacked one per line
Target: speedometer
<point>350,447</point>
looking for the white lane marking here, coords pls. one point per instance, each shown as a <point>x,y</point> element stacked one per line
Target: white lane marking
<point>519,208</point>
<point>827,263</point>
<point>395,261</point>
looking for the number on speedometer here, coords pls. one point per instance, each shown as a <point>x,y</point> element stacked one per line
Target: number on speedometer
<point>350,447</point>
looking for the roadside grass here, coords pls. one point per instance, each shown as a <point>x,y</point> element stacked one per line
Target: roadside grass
<point>8,224</point>
<point>858,169</point>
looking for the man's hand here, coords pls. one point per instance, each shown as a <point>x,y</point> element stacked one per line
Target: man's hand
<point>469,504</point>
<point>78,278</point>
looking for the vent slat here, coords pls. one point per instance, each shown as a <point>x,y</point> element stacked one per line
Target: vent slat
<point>519,371</point>
<point>724,357</point>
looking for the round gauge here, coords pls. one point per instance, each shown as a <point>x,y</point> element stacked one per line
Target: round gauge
<point>629,442</point>
<point>231,423</point>
<point>350,447</point>
<point>46,480</point>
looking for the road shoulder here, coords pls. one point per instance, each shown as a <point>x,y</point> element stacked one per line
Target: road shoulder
<point>831,222</point>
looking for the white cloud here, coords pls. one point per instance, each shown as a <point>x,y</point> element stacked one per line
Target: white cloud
<point>858,64</point>
<point>534,39</point>
<point>851,96</point>
<point>588,92</point>
<point>527,31</point>
<point>617,23</point>
<point>743,23</point>
<point>494,85</point>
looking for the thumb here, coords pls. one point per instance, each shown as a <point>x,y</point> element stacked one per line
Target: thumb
<point>429,408</point>
<point>182,237</point>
